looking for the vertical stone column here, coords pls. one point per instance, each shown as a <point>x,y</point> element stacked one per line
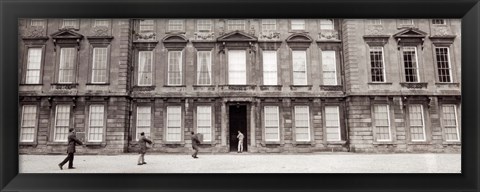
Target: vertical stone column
<point>253,110</point>
<point>224,124</point>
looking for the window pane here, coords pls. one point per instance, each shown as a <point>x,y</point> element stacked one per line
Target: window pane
<point>269,25</point>
<point>237,68</point>
<point>329,68</point>
<point>146,26</point>
<point>438,21</point>
<point>269,67</point>
<point>376,62</point>
<point>410,64</point>
<point>374,21</point>
<point>143,120</point>
<point>382,122</point>
<point>299,67</point>
<point>302,123</point>
<point>62,122</point>
<point>406,21</point>
<point>204,25</point>
<point>174,123</point>
<point>204,68</point>
<point>37,22</point>
<point>34,60</point>
<point>272,130</point>
<point>174,67</point>
<point>450,122</point>
<point>175,25</point>
<point>29,121</point>
<point>96,124</point>
<point>326,24</point>
<point>102,22</point>
<point>67,65</point>
<point>204,122</point>
<point>145,59</point>
<point>332,123</point>
<point>99,66</point>
<point>236,25</point>
<point>417,128</point>
<point>443,64</point>
<point>298,24</point>
<point>70,23</point>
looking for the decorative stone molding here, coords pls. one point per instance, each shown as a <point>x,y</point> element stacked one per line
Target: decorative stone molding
<point>204,35</point>
<point>269,35</point>
<point>440,31</point>
<point>100,31</point>
<point>64,86</point>
<point>143,88</point>
<point>145,36</point>
<point>35,31</point>
<point>410,36</point>
<point>203,87</point>
<point>175,41</point>
<point>237,87</point>
<point>414,85</point>
<point>270,87</point>
<point>66,36</point>
<point>331,87</point>
<point>376,40</point>
<point>104,40</point>
<point>301,87</point>
<point>374,30</point>
<point>328,35</point>
<point>299,41</point>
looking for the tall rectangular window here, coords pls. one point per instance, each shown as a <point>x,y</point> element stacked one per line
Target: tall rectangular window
<point>237,67</point>
<point>326,24</point>
<point>382,122</point>
<point>146,26</point>
<point>99,65</point>
<point>299,60</point>
<point>329,68</point>
<point>37,22</point>
<point>443,64</point>
<point>438,21</point>
<point>29,122</point>
<point>70,23</point>
<point>332,123</point>
<point>34,61</point>
<point>417,124</point>
<point>101,23</point>
<point>144,121</point>
<point>204,122</point>
<point>410,63</point>
<point>204,25</point>
<point>236,25</point>
<point>145,60</point>
<point>406,21</point>
<point>376,63</point>
<point>175,25</point>
<point>66,69</point>
<point>62,122</point>
<point>175,68</point>
<point>174,123</point>
<point>269,25</point>
<point>204,68</point>
<point>297,24</point>
<point>450,122</point>
<point>302,123</point>
<point>374,21</point>
<point>96,123</point>
<point>272,123</point>
<point>270,68</point>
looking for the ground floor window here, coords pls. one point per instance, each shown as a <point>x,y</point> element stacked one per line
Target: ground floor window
<point>204,122</point>
<point>143,121</point>
<point>272,128</point>
<point>174,123</point>
<point>332,123</point>
<point>29,121</point>
<point>382,122</point>
<point>450,122</point>
<point>417,124</point>
<point>302,123</point>
<point>96,123</point>
<point>62,122</point>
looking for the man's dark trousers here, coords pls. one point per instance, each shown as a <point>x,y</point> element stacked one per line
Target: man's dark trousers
<point>69,159</point>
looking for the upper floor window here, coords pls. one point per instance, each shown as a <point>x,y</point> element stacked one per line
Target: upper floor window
<point>70,23</point>
<point>146,26</point>
<point>96,124</point>
<point>450,122</point>
<point>174,123</point>
<point>382,122</point>
<point>272,125</point>
<point>443,64</point>
<point>28,124</point>
<point>269,25</point>
<point>439,22</point>
<point>66,69</point>
<point>406,22</point>
<point>175,25</point>
<point>34,61</point>
<point>175,68</point>
<point>297,24</point>
<point>144,121</point>
<point>236,25</point>
<point>299,60</point>
<point>410,62</point>
<point>145,62</point>
<point>101,23</point>
<point>326,24</point>
<point>417,124</point>
<point>204,68</point>
<point>204,25</point>
<point>99,65</point>
<point>302,123</point>
<point>376,64</point>
<point>374,21</point>
<point>204,122</point>
<point>237,67</point>
<point>329,68</point>
<point>37,22</point>
<point>270,68</point>
<point>62,122</point>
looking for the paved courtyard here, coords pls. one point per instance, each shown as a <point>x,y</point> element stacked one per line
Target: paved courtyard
<point>248,163</point>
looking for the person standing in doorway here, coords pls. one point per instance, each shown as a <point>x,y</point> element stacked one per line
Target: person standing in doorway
<point>240,141</point>
<point>72,141</point>
<point>143,148</point>
<point>195,143</point>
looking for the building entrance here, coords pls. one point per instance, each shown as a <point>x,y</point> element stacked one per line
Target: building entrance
<point>237,121</point>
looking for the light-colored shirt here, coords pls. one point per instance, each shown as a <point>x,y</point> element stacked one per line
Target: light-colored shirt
<point>240,136</point>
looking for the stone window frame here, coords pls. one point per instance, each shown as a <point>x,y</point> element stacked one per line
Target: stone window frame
<point>337,67</point>
<point>170,25</point>
<point>44,24</point>
<point>418,68</point>
<point>278,72</point>
<point>182,123</point>
<point>137,104</point>
<point>247,66</point>
<point>37,117</point>
<point>76,27</point>
<point>54,120</point>
<point>108,23</point>
<point>311,140</point>
<point>341,119</point>
<point>137,66</point>
<point>280,122</point>
<point>369,65</point>
<point>308,72</point>
<point>427,125</point>
<point>245,24</point>
<point>453,78</point>
<point>25,64</point>
<point>182,67</point>
<point>212,119</point>
<point>90,63</point>
<point>458,112</point>
<point>212,25</point>
<point>391,112</point>
<point>196,65</point>
<point>87,124</point>
<point>75,68</point>
<point>290,25</point>
<point>263,23</point>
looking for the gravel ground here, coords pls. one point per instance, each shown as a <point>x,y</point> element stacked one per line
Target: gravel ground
<point>248,163</point>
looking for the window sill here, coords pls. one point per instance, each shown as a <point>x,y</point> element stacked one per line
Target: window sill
<point>143,88</point>
<point>418,143</point>
<point>28,143</point>
<point>297,31</point>
<point>271,87</point>
<point>174,86</point>
<point>380,83</point>
<point>99,84</point>
<point>384,143</point>
<point>456,85</point>
<point>452,143</point>
<point>414,85</point>
<point>237,87</point>
<point>303,143</point>
<point>174,144</point>
<point>331,87</point>
<point>25,84</point>
<point>301,87</point>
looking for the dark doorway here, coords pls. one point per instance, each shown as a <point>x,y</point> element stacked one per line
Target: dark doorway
<point>237,121</point>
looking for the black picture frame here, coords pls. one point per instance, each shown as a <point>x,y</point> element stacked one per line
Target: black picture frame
<point>467,10</point>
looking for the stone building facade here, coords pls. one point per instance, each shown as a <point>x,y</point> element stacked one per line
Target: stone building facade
<point>289,85</point>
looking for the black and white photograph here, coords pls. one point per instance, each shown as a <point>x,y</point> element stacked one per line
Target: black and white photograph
<point>239,95</point>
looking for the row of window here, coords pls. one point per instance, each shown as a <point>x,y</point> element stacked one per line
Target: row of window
<point>204,125</point>
<point>407,22</point>
<point>410,64</point>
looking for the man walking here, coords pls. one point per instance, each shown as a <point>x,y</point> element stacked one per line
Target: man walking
<point>72,141</point>
<point>143,148</point>
<point>195,143</point>
<point>240,141</point>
